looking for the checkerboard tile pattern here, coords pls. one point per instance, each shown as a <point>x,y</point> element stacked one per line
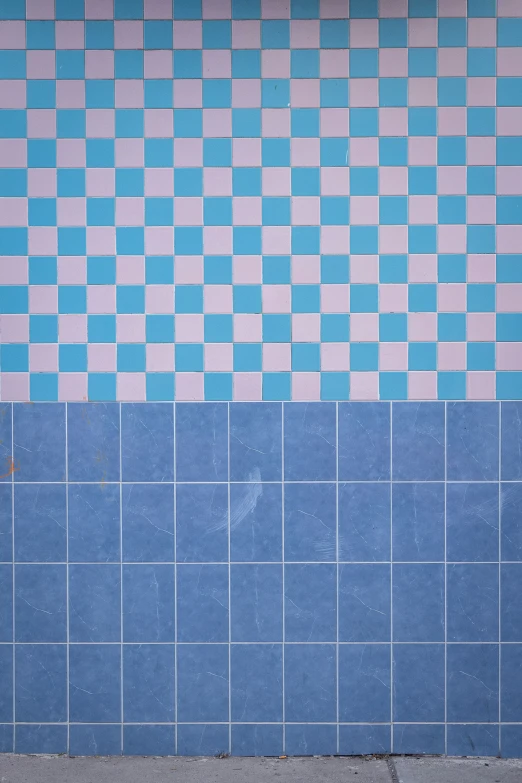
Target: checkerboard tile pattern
<point>260,199</point>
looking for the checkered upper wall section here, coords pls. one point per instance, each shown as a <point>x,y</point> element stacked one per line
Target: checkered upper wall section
<point>260,199</point>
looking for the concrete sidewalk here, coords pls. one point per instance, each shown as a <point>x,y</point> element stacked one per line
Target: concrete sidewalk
<point>60,769</point>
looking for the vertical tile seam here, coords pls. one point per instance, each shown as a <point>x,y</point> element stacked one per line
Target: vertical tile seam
<point>13,574</point>
<point>229,591</point>
<point>121,585</point>
<point>499,578</point>
<point>283,634</point>
<point>67,574</point>
<point>446,579</point>
<point>337,569</point>
<point>175,490</point>
<point>392,733</point>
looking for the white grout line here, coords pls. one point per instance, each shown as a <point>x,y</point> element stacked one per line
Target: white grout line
<point>499,576</point>
<point>283,636</point>
<point>13,575</point>
<point>445,580</point>
<point>337,564</point>
<point>229,594</point>
<point>174,466</point>
<point>391,580</point>
<point>121,584</point>
<point>67,575</point>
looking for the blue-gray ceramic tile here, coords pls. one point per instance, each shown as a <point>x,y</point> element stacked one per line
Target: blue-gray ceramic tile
<point>364,521</point>
<point>148,683</point>
<point>40,523</point>
<point>511,436</point>
<point>41,683</point>
<point>418,522</point>
<point>40,603</point>
<point>364,602</point>
<point>41,738</point>
<point>94,683</point>
<point>255,441</point>
<point>256,602</point>
<point>6,603</point>
<point>473,739</point>
<point>472,441</point>
<point>311,602</point>
<point>310,522</point>
<point>510,527</point>
<point>418,602</point>
<point>472,522</point>
<point>418,682</point>
<point>310,683</point>
<point>95,740</point>
<point>418,441</point>
<point>6,523</point>
<point>309,436</point>
<point>93,441</point>
<point>148,523</point>
<point>364,441</point>
<point>94,603</point>
<point>308,739</point>
<point>510,603</point>
<point>6,457</point>
<point>149,740</point>
<point>201,523</point>
<point>472,602</point>
<point>148,603</point>
<point>511,683</point>
<point>6,683</point>
<point>203,682</point>
<point>416,739</point>
<point>202,739</point>
<point>39,441</point>
<point>201,441</point>
<point>256,522</point>
<point>472,686</point>
<point>511,742</point>
<point>366,740</point>
<point>251,739</point>
<point>94,523</point>
<point>202,605</point>
<point>6,738</point>
<point>364,683</point>
<point>147,441</point>
<point>256,672</point>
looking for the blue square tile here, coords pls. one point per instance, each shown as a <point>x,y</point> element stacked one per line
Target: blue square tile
<point>251,739</point>
<point>93,441</point>
<point>94,603</point>
<point>148,683</point>
<point>39,442</point>
<point>511,435</point>
<point>201,442</point>
<point>419,739</point>
<point>203,683</point>
<point>364,683</point>
<point>255,441</point>
<point>310,602</point>
<point>147,441</point>
<point>511,533</point>
<point>310,683</point>
<point>511,738</point>
<point>473,739</point>
<point>6,686</point>
<point>472,602</point>
<point>202,522</point>
<point>41,738</point>
<point>6,522</point>
<point>309,437</point>
<point>256,602</point>
<point>418,521</point>
<point>95,740</point>
<point>418,683</point>
<point>94,683</point>
<point>364,515</point>
<point>364,441</point>
<point>148,603</point>
<point>472,522</point>
<point>94,523</point>
<point>364,739</point>
<point>364,602</point>
<point>7,738</point>
<point>41,699</point>
<point>256,682</point>
<point>511,609</point>
<point>6,456</point>
<point>309,739</point>
<point>418,441</point>
<point>472,441</point>
<point>40,603</point>
<point>148,523</point>
<point>6,603</point>
<point>202,605</point>
<point>472,683</point>
<point>511,692</point>
<point>209,739</point>
<point>418,602</point>
<point>310,522</point>
<point>40,523</point>
<point>148,740</point>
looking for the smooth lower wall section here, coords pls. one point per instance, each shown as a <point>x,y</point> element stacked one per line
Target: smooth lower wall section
<point>261,578</point>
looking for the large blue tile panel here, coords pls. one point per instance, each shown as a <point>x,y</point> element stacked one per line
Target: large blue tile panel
<point>418,521</point>
<point>256,522</point>
<point>310,683</point>
<point>94,603</point>
<point>255,441</point>
<point>364,602</point>
<point>511,683</point>
<point>510,603</point>
<point>472,522</point>
<point>311,602</point>
<point>201,441</point>
<point>147,740</point>
<point>472,441</point>
<point>418,602</point>
<point>364,521</point>
<point>6,603</point>
<point>41,683</point>
<point>6,738</point>
<point>511,437</point>
<point>364,683</point>
<point>40,603</point>
<point>41,738</point>
<point>256,672</point>
<point>310,522</point>
<point>202,606</point>
<point>473,739</point>
<point>94,683</point>
<point>413,739</point>
<point>148,683</point>
<point>511,742</point>
<point>94,523</point>
<point>39,441</point>
<point>510,527</point>
<point>93,441</point>
<point>148,603</point>
<point>418,447</point>
<point>7,465</point>
<point>203,683</point>
<point>147,441</point>
<point>202,523</point>
<point>202,739</point>
<point>364,441</point>
<point>6,522</point>
<point>256,602</point>
<point>257,739</point>
<point>472,602</point>
<point>308,739</point>
<point>6,683</point>
<point>148,523</point>
<point>95,740</point>
<point>310,441</point>
<point>40,523</point>
<point>418,683</point>
<point>472,683</point>
<point>365,740</point>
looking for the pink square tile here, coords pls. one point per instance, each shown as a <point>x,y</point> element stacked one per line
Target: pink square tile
<point>451,297</point>
<point>509,297</point>
<point>72,386</point>
<point>451,180</point>
<point>12,94</point>
<point>247,269</point>
<point>43,358</point>
<point>99,64</point>
<point>128,93</point>
<point>39,9</point>
<point>306,210</point>
<point>422,151</point>
<point>275,123</point>
<point>13,153</point>
<point>13,212</point>
<point>452,7</point>
<point>364,210</point>
<point>509,356</point>
<point>216,9</point>
<point>364,152</point>
<point>43,299</point>
<point>276,298</point>
<point>159,240</point>
<point>393,121</point>
<point>217,239</point>
<point>130,328</point>
<point>12,35</point>
<point>393,239</point>
<point>43,241</point>
<point>158,9</point>
<point>72,328</point>
<point>246,93</point>
<point>14,270</point>
<point>304,34</point>
<point>481,327</point>
<point>100,123</point>
<point>101,240</point>
<point>422,386</point>
<point>508,120</point>
<point>305,152</point>
<point>335,181</point>
<point>393,298</point>
<point>364,386</point>
<point>333,63</point>
<point>509,239</point>
<point>40,64</point>
<point>422,268</point>
<point>101,299</point>
<point>364,269</point>
<point>393,180</point>
<point>217,123</point>
<point>482,32</point>
<point>216,181</point>
<point>451,356</point>
<point>130,211</point>
<point>277,357</point>
<point>275,63</point>
<point>190,386</point>
<point>246,152</point>
<point>130,270</point>
<point>422,327</point>
<point>364,34</point>
<point>422,32</point>
<point>306,270</point>
<point>335,239</point>
<point>188,211</point>
<point>306,386</point>
<point>304,93</point>
<point>41,124</point>
<point>129,153</point>
<point>131,386</point>
<point>72,270</point>
<point>335,298</point>
<point>508,180</point>
<point>188,270</point>
<point>159,299</point>
<point>276,181</point>
<point>159,182</point>
<point>306,327</point>
<point>422,210</point>
<point>14,328</point>
<point>509,8</point>
<point>451,239</point>
<point>275,9</point>
<point>333,9</point>
<point>246,34</point>
<point>422,91</point>
<point>248,327</point>
<point>481,151</point>
<point>393,356</point>
<point>452,61</point>
<point>481,209</point>
<point>509,61</point>
<point>335,357</point>
<point>364,92</point>
<point>364,327</point>
<point>393,62</point>
<point>480,386</point>
<point>481,269</point>
<point>71,211</point>
<point>219,357</point>
<point>482,91</point>
<point>217,298</point>
<point>188,35</point>
<point>217,63</point>
<point>69,35</point>
<point>157,64</point>
<point>451,120</point>
<point>159,357</point>
<point>247,386</point>
<point>189,328</point>
<point>188,152</point>
<point>188,93</point>
<point>70,153</point>
<point>97,9</point>
<point>246,210</point>
<point>128,34</point>
<point>276,240</point>
<point>159,123</point>
<point>15,386</point>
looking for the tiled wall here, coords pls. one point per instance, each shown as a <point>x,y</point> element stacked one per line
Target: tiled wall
<point>340,182</point>
<point>261,578</point>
